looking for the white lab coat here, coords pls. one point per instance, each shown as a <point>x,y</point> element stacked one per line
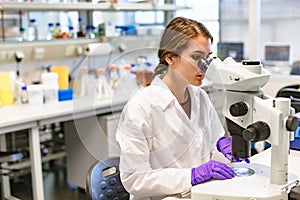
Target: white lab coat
<point>160,144</point>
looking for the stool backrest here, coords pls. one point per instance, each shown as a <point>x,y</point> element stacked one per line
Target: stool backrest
<point>103,181</point>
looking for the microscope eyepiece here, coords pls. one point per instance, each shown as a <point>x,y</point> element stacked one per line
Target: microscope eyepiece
<point>205,62</point>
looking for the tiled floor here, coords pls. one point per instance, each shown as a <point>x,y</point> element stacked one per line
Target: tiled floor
<point>55,185</point>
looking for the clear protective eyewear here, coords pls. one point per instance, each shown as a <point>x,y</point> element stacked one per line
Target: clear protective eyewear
<point>205,62</point>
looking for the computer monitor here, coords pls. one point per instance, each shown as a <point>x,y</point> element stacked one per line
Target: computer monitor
<point>230,49</point>
<point>277,54</point>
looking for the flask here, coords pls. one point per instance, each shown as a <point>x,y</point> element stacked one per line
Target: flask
<point>81,86</point>
<point>103,87</point>
<point>127,83</point>
<point>32,30</point>
<point>50,32</point>
<point>113,76</point>
<point>139,70</point>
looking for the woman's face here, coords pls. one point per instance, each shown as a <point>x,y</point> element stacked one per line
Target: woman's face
<point>187,62</point>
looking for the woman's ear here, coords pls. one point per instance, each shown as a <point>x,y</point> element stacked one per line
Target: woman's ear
<point>169,59</point>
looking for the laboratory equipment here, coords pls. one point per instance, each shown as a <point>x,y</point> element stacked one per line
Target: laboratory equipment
<point>81,85</point>
<point>24,96</point>
<point>32,30</point>
<point>50,32</point>
<point>50,87</point>
<point>251,115</point>
<point>63,76</point>
<point>90,32</point>
<point>57,30</point>
<point>103,87</point>
<point>35,94</point>
<point>80,32</point>
<point>113,76</point>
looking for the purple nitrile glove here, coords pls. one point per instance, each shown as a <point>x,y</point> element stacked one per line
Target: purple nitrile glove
<point>224,146</point>
<point>211,169</point>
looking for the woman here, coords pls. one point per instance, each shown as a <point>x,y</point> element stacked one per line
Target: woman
<point>169,130</point>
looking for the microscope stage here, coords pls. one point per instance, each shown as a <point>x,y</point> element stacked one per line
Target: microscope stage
<point>256,186</point>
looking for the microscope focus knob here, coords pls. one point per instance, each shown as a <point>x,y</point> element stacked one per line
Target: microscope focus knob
<point>291,123</point>
<point>258,131</point>
<point>238,109</point>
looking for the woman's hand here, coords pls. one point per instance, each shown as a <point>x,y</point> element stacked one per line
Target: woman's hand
<point>224,146</point>
<point>211,169</point>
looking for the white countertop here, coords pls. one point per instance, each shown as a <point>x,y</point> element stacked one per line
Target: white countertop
<point>19,114</point>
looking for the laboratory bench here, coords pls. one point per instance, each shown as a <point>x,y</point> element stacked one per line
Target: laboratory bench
<point>262,160</point>
<point>30,117</point>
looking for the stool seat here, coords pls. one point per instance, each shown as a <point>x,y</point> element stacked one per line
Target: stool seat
<point>8,156</point>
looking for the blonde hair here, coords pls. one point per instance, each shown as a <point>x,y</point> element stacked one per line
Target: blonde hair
<point>175,39</point>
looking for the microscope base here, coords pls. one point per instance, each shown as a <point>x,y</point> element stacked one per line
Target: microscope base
<point>256,186</point>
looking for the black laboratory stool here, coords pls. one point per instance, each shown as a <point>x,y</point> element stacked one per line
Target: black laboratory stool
<point>103,181</point>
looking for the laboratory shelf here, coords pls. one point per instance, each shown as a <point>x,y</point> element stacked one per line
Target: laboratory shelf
<point>40,50</point>
<point>54,43</point>
<point>37,6</point>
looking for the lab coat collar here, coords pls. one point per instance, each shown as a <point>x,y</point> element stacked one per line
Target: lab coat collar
<point>164,94</point>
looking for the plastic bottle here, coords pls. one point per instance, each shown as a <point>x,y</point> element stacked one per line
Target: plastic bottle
<point>57,30</point>
<point>50,87</point>
<point>19,83</point>
<point>22,36</point>
<point>24,95</point>
<point>32,30</point>
<point>72,33</point>
<point>90,32</point>
<point>103,87</point>
<point>35,94</point>
<point>50,32</point>
<point>113,76</point>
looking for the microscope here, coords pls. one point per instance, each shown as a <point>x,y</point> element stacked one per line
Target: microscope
<point>251,116</point>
